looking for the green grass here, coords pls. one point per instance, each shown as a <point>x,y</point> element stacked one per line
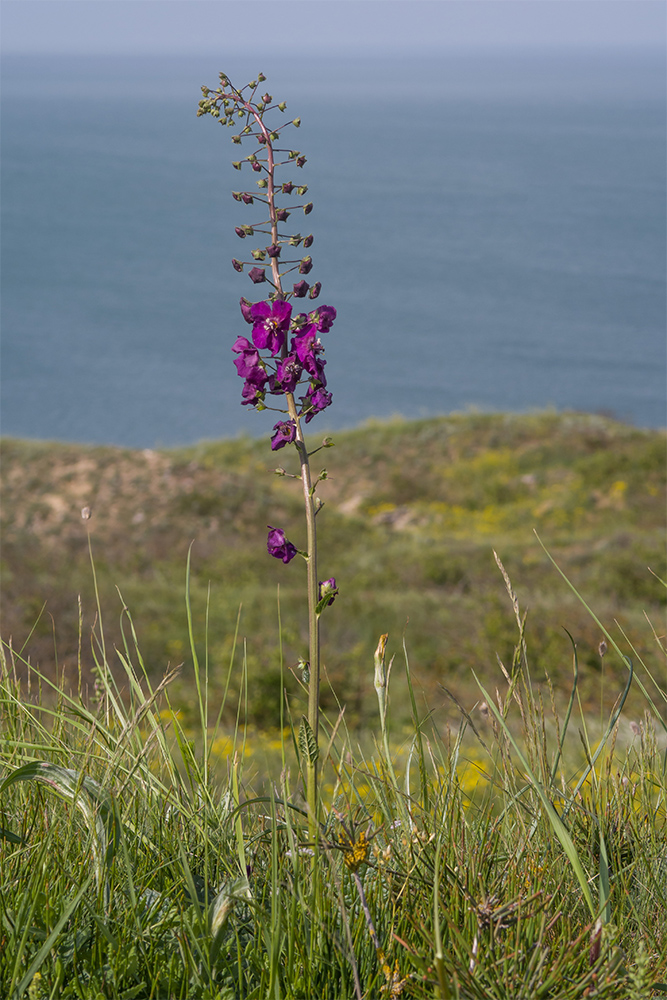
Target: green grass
<point>518,853</point>
<point>413,512</point>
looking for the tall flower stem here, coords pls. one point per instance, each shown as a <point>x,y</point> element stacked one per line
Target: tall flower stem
<point>309,505</point>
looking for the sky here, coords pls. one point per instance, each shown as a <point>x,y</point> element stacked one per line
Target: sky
<point>318,26</point>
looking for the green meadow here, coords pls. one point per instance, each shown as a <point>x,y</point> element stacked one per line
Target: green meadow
<point>493,816</point>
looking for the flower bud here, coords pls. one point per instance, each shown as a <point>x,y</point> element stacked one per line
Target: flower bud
<point>236,164</point>
<point>307,209</point>
<point>282,215</point>
<point>300,289</point>
<point>239,232</point>
<point>267,98</point>
<point>246,198</point>
<point>257,275</point>
<point>300,160</point>
<point>308,242</point>
<point>236,264</point>
<point>315,290</point>
<point>302,188</point>
<point>288,188</point>
<point>295,240</point>
<point>306,265</point>
<point>282,105</point>
<point>263,183</point>
<point>273,250</point>
<point>327,594</point>
<point>236,139</point>
<point>256,166</point>
<point>297,122</point>
<point>237,196</point>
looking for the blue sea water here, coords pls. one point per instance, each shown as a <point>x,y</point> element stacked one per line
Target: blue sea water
<point>490,228</point>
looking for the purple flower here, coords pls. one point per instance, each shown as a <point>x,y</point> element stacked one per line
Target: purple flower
<point>271,323</point>
<point>256,166</point>
<point>323,318</point>
<point>236,264</point>
<point>307,209</point>
<point>287,375</point>
<point>257,275</point>
<point>308,348</point>
<point>306,265</point>
<point>278,546</point>
<point>282,215</point>
<point>249,361</point>
<point>239,232</point>
<point>300,289</point>
<point>246,306</point>
<point>308,242</point>
<point>315,290</point>
<point>304,342</point>
<point>285,434</point>
<point>288,188</point>
<point>273,250</point>
<point>247,198</point>
<point>314,402</point>
<point>251,394</point>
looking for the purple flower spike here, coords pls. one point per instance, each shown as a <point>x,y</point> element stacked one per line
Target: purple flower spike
<point>300,289</point>
<point>257,275</point>
<point>278,546</point>
<point>285,434</point>
<point>271,323</point>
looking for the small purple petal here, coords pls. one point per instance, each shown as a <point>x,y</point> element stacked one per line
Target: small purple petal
<point>285,433</point>
<point>278,546</point>
<point>257,275</point>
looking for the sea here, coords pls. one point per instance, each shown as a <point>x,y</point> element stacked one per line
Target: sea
<point>489,225</point>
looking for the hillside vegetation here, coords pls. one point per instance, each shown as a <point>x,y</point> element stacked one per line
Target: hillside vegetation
<point>413,513</point>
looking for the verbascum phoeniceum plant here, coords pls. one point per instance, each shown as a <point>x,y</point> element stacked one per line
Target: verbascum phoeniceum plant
<point>281,362</point>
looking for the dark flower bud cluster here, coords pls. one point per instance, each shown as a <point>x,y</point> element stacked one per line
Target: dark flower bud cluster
<point>246,109</point>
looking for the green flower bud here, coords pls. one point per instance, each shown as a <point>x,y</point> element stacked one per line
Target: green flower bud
<point>259,254</point>
<point>282,105</point>
<point>297,122</point>
<point>263,183</point>
<point>236,164</point>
